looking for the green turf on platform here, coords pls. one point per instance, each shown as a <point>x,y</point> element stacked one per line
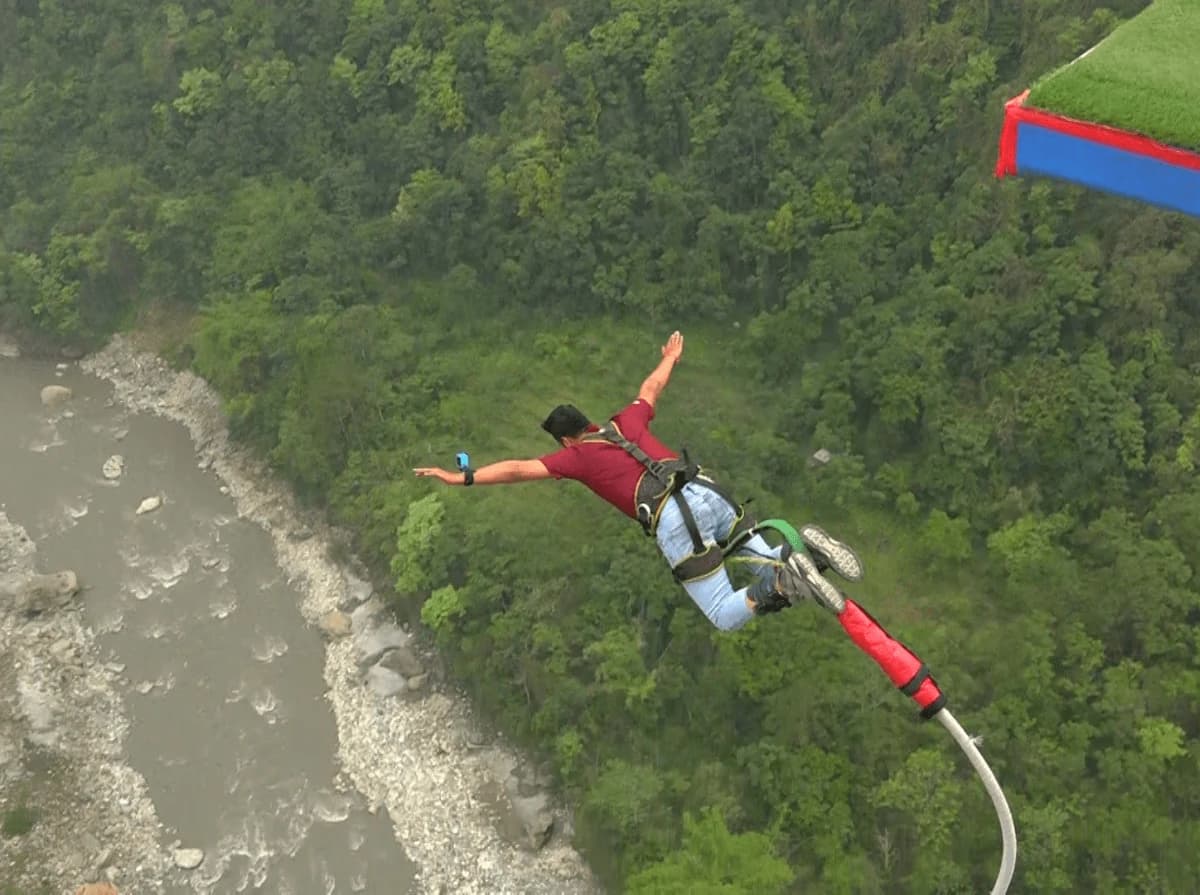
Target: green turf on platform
<point>1144,77</point>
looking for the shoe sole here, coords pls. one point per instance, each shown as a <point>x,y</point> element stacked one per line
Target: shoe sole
<point>822,590</point>
<point>842,559</point>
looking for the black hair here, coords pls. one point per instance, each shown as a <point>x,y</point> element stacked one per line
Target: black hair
<point>564,421</point>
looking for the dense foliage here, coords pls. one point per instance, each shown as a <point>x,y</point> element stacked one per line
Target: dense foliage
<point>409,228</point>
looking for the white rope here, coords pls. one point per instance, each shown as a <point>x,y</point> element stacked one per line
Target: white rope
<point>1008,832</point>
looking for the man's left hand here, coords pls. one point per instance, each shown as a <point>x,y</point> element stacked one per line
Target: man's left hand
<point>674,347</point>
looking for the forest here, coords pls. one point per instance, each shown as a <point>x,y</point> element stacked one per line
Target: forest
<point>389,230</point>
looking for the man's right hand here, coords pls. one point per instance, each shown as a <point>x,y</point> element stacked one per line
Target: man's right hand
<point>442,475</point>
<point>674,347</point>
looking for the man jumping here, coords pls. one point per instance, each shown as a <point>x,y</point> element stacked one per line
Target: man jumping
<point>692,517</point>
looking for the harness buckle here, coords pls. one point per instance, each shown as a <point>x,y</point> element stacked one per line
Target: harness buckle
<point>645,515</point>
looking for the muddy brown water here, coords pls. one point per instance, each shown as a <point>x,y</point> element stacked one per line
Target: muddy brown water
<point>223,681</point>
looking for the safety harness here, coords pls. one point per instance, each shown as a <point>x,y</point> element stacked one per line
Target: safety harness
<point>662,480</point>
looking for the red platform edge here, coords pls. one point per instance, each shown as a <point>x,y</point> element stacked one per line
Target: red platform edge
<point>1016,113</point>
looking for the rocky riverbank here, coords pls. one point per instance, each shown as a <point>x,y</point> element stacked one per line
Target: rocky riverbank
<point>469,811</point>
<point>72,811</point>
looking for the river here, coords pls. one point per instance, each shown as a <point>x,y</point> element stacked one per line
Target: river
<point>251,733</point>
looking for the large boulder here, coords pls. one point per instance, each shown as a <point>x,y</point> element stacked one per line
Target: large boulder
<point>536,819</point>
<point>335,624</point>
<point>372,644</point>
<point>403,660</point>
<point>362,616</point>
<point>357,592</point>
<point>189,858</point>
<point>526,812</point>
<point>385,682</point>
<point>97,889</point>
<point>54,395</point>
<point>41,593</point>
<point>149,505</point>
<point>38,706</point>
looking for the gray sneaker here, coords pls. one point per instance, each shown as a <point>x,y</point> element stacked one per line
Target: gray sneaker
<point>831,553</point>
<point>799,580</point>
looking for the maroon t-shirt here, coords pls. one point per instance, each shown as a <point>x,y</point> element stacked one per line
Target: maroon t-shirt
<point>606,468</point>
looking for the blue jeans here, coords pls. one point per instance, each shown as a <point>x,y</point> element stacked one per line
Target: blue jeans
<point>714,594</point>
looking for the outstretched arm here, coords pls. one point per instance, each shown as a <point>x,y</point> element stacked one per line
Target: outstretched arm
<point>504,472</point>
<point>658,379</point>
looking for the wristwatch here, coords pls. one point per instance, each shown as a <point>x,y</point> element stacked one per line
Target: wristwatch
<point>463,461</point>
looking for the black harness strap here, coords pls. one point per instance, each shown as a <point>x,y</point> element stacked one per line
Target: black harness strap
<point>671,476</point>
<point>705,558</point>
<point>699,565</point>
<point>914,685</point>
<point>689,520</point>
<point>744,528</point>
<point>934,707</point>
<point>664,471</point>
